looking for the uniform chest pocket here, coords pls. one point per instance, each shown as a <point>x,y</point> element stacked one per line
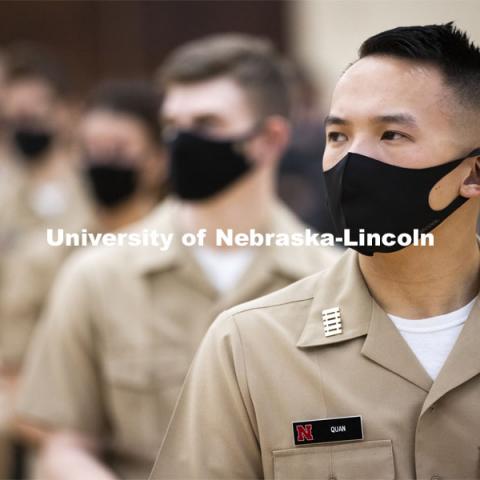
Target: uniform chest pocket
<point>140,390</point>
<point>129,372</point>
<point>146,371</point>
<point>371,460</point>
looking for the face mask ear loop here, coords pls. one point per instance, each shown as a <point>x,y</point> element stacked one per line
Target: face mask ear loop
<point>459,200</point>
<point>473,153</point>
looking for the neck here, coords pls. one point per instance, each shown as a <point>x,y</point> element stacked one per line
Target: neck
<point>112,219</point>
<point>49,166</point>
<point>43,168</point>
<point>243,206</point>
<point>421,282</point>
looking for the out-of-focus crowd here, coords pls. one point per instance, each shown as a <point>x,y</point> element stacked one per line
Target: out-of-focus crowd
<point>115,335</point>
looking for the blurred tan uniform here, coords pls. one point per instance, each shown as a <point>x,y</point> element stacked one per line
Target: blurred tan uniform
<point>6,407</point>
<point>122,328</point>
<point>29,272</point>
<point>28,265</point>
<point>29,206</point>
<point>268,363</point>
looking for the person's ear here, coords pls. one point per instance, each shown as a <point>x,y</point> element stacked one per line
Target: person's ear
<point>470,187</point>
<point>268,147</point>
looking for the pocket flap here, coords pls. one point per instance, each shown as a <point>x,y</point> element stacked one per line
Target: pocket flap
<point>372,460</point>
<point>129,372</point>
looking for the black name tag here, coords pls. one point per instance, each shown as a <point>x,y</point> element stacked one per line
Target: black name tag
<point>341,429</point>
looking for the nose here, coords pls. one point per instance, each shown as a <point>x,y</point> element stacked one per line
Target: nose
<point>361,144</point>
<point>328,161</point>
<point>364,146</point>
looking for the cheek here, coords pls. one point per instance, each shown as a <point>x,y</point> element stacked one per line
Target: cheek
<point>257,152</point>
<point>152,175</point>
<point>330,158</point>
<point>134,150</point>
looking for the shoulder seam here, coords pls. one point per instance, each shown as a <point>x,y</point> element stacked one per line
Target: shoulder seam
<point>260,307</point>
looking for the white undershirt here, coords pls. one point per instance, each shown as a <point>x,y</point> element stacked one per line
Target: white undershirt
<point>223,267</point>
<point>49,199</point>
<point>432,339</point>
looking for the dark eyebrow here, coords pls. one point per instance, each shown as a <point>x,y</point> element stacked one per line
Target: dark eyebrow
<point>401,118</point>
<point>333,120</point>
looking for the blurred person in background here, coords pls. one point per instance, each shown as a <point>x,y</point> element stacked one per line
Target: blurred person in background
<point>300,180</point>
<point>38,183</point>
<point>123,324</point>
<point>123,162</point>
<point>41,187</point>
<point>122,152</point>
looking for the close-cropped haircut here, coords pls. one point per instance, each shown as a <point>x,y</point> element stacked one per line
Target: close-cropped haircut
<point>251,62</point>
<point>444,46</point>
<point>135,98</point>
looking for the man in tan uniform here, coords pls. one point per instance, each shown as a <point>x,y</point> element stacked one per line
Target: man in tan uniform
<point>123,324</point>
<point>123,163</point>
<point>370,369</point>
<point>39,184</point>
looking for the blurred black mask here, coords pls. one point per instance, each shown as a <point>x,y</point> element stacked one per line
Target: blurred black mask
<point>112,183</point>
<point>200,167</point>
<point>32,143</point>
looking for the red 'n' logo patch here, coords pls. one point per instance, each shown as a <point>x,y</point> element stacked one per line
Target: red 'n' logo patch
<point>304,432</point>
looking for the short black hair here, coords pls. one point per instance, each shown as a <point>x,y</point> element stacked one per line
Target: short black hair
<point>136,98</point>
<point>442,46</point>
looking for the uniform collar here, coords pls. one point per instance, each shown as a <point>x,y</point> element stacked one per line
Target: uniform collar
<point>288,261</point>
<point>150,259</point>
<point>343,286</point>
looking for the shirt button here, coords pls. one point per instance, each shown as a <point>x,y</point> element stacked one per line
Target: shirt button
<point>436,477</point>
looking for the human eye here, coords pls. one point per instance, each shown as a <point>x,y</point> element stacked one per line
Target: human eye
<point>336,137</point>
<point>392,135</point>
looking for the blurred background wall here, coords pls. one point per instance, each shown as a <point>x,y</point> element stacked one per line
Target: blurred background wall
<point>325,34</point>
<point>98,39</point>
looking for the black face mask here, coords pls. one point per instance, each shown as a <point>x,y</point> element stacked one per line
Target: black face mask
<point>201,167</point>
<point>364,193</point>
<point>112,183</point>
<point>32,143</point>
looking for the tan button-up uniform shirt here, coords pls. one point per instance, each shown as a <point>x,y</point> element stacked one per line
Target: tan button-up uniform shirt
<point>27,263</point>
<point>28,207</point>
<point>28,273</point>
<point>121,331</point>
<point>267,364</point>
